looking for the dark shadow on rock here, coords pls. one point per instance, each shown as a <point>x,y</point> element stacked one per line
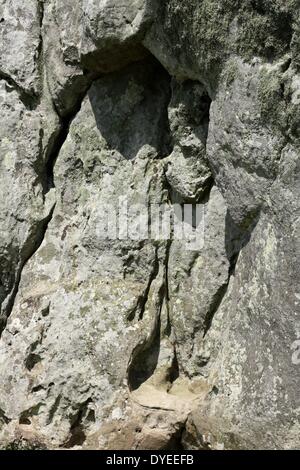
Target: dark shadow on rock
<point>131,108</point>
<point>237,238</point>
<point>144,361</point>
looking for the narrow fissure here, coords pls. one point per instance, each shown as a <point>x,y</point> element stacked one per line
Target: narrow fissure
<point>175,442</point>
<point>153,276</point>
<point>39,237</point>
<point>36,239</point>
<point>53,153</point>
<point>168,328</point>
<point>237,240</point>
<point>145,356</point>
<point>220,295</point>
<point>218,298</point>
<point>175,369</point>
<point>144,359</point>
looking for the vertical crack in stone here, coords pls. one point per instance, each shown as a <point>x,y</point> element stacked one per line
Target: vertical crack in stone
<point>138,373</point>
<point>218,298</point>
<point>153,276</point>
<point>168,328</point>
<point>37,236</point>
<point>144,357</point>
<point>54,151</point>
<point>237,239</point>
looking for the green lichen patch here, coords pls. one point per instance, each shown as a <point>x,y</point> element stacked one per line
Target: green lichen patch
<point>205,33</point>
<point>230,72</point>
<point>279,108</point>
<point>265,28</point>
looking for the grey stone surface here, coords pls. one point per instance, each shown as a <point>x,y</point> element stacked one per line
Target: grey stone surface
<point>149,344</point>
<point>20,43</point>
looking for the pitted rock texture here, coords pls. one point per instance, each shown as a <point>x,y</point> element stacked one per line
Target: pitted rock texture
<point>147,344</point>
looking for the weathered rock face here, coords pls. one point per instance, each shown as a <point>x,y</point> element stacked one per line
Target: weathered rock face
<point>148,343</point>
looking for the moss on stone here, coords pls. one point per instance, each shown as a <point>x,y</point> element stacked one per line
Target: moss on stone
<point>24,444</point>
<point>230,72</point>
<point>295,43</point>
<point>210,31</point>
<point>270,95</point>
<point>265,28</point>
<point>278,109</point>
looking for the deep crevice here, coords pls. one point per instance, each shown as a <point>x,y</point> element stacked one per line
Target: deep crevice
<point>39,235</point>
<point>153,276</point>
<point>54,151</point>
<point>41,228</point>
<point>235,240</point>
<point>219,296</point>
<point>31,101</point>
<point>175,442</point>
<point>47,178</point>
<point>168,328</point>
<point>174,370</point>
<point>144,358</point>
